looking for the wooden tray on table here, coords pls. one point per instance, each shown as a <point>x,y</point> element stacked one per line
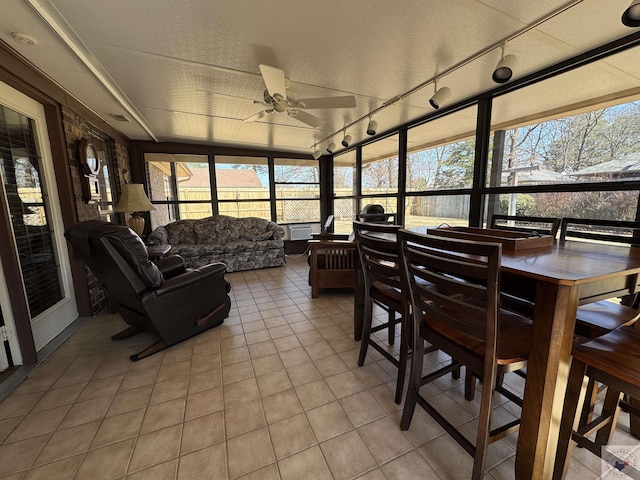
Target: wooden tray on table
<point>509,240</point>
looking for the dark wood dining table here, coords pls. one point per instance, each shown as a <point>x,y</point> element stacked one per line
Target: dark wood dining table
<point>558,278</point>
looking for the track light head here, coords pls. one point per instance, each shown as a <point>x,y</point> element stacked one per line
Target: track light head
<point>631,16</point>
<point>372,127</point>
<point>439,97</point>
<point>346,141</point>
<point>504,70</point>
<point>316,154</point>
<point>331,148</point>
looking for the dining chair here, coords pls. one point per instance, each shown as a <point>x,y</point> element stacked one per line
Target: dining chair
<point>601,317</point>
<point>380,263</point>
<point>613,360</point>
<point>526,224</point>
<point>513,297</point>
<point>454,291</point>
<point>598,318</point>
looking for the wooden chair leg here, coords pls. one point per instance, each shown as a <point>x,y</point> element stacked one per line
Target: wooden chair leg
<point>484,420</point>
<point>155,348</point>
<point>417,359</point>
<point>405,326</point>
<point>469,385</point>
<point>366,331</point>
<point>591,394</point>
<point>610,408</point>
<point>569,421</point>
<point>391,333</point>
<point>634,420</point>
<point>127,332</point>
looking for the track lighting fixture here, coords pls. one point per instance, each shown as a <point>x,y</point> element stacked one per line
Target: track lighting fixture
<point>439,96</point>
<point>631,16</point>
<point>346,140</point>
<point>372,127</point>
<point>316,153</point>
<point>331,148</point>
<point>504,69</point>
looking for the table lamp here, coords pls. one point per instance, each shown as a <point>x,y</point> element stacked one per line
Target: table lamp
<point>133,200</point>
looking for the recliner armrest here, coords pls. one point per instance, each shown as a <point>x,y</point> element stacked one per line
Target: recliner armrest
<point>171,266</point>
<point>191,277</point>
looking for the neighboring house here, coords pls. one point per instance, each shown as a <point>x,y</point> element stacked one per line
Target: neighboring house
<point>531,177</point>
<point>225,177</point>
<point>627,167</point>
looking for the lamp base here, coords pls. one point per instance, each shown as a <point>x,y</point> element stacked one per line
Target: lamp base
<point>137,225</point>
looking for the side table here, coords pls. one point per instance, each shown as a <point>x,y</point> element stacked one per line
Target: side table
<point>158,251</point>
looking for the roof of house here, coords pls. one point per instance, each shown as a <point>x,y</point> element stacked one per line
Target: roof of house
<point>623,166</point>
<point>225,177</point>
<point>532,177</point>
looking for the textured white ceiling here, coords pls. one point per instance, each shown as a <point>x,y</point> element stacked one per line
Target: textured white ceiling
<point>188,70</point>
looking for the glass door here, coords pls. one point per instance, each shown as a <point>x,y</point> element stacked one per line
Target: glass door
<point>26,172</point>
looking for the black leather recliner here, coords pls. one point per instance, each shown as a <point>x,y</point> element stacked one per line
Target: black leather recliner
<point>164,297</point>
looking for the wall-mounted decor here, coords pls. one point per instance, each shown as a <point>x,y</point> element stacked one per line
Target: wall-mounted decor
<point>89,166</point>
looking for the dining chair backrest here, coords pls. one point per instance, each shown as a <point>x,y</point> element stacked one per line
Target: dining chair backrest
<point>378,252</point>
<point>616,231</point>
<point>520,223</point>
<point>454,283</point>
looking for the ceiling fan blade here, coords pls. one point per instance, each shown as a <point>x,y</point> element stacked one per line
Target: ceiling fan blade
<point>259,115</point>
<point>274,80</point>
<point>347,101</point>
<point>307,118</point>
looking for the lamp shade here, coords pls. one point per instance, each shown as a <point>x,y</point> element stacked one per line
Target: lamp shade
<point>133,199</point>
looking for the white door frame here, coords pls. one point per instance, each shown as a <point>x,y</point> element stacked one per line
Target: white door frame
<point>51,322</point>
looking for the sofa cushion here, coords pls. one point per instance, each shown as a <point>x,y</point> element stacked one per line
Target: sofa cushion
<point>208,231</point>
<point>253,228</point>
<point>182,232</point>
<point>244,246</point>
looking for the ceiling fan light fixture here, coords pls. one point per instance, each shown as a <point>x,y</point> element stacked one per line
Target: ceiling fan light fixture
<point>504,69</point>
<point>631,16</point>
<point>331,148</point>
<point>439,95</point>
<point>372,127</point>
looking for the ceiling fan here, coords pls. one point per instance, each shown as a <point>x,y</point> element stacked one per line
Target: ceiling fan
<point>277,98</point>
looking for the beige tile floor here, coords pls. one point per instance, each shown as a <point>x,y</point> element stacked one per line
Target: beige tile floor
<point>274,393</point>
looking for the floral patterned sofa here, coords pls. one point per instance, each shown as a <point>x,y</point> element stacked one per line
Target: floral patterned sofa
<point>240,243</point>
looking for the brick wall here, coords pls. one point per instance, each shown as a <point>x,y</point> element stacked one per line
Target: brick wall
<point>75,129</point>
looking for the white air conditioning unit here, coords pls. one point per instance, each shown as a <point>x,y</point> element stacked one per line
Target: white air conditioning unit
<point>299,232</point>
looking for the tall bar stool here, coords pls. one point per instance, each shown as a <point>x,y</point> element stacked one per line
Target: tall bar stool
<point>380,263</point>
<point>597,318</point>
<point>613,360</point>
<point>454,291</point>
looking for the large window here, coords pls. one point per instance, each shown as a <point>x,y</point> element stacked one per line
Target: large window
<point>242,185</point>
<point>297,185</point>
<point>380,167</point>
<point>440,157</point>
<point>179,187</point>
<point>441,153</point>
<point>344,191</point>
<point>583,141</point>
